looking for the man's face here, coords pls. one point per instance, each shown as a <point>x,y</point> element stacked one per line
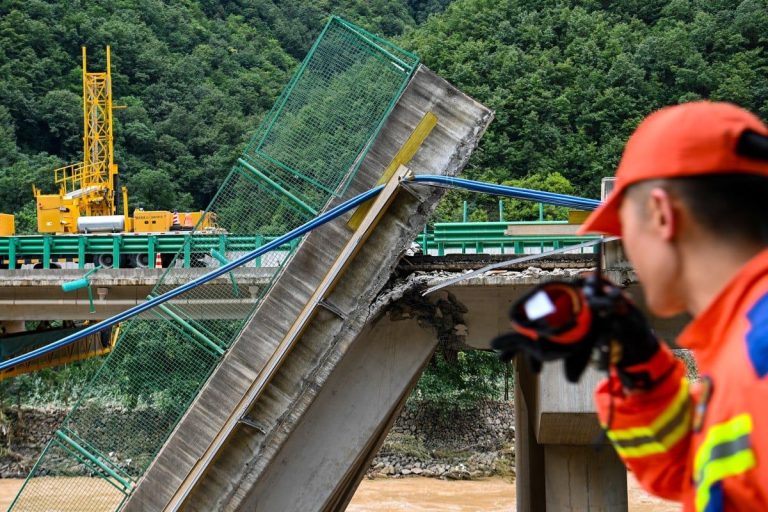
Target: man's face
<point>652,251</point>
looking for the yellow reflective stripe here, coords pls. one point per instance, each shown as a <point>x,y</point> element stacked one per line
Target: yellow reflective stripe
<point>660,445</point>
<point>660,421</point>
<point>717,434</point>
<point>725,452</point>
<point>718,470</point>
<point>667,429</point>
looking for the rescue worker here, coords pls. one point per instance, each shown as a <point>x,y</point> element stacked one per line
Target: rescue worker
<point>691,205</point>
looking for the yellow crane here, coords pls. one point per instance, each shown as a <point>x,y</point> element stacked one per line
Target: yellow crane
<point>86,200</point>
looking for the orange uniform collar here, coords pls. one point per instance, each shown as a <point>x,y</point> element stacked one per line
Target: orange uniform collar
<point>700,335</point>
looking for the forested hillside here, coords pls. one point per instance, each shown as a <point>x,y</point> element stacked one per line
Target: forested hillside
<point>195,76</point>
<point>568,80</point>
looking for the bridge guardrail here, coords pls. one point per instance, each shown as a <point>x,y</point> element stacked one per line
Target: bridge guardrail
<point>80,249</point>
<point>489,238</point>
<point>444,238</point>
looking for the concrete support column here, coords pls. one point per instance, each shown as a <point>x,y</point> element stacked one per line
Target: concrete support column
<point>529,454</point>
<point>558,466</point>
<point>580,478</point>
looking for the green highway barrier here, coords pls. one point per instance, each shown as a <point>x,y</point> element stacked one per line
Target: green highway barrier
<point>83,249</point>
<point>489,237</point>
<point>444,238</point>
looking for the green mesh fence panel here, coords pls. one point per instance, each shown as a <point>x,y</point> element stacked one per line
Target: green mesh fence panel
<point>315,137</point>
<point>303,154</point>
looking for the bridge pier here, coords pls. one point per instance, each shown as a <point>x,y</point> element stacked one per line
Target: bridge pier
<point>559,465</point>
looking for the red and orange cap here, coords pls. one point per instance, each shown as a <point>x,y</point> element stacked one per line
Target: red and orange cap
<point>683,140</point>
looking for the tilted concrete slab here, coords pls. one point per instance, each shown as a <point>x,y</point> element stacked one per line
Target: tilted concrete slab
<point>249,453</point>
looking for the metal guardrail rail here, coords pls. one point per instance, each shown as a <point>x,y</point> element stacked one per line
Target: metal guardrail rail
<point>442,239</point>
<point>489,237</point>
<point>14,250</point>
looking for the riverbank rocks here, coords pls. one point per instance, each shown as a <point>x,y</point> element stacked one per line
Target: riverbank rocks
<point>23,435</point>
<point>432,440</point>
<point>427,440</point>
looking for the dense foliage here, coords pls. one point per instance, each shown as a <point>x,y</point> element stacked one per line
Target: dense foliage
<point>195,78</point>
<point>568,79</point>
<point>473,377</point>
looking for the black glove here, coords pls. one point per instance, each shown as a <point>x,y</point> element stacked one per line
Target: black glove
<point>623,336</point>
<point>576,357</point>
<point>571,321</point>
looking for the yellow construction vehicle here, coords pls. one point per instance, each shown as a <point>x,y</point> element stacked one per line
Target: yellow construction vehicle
<point>87,200</point>
<point>7,224</point>
<point>86,193</point>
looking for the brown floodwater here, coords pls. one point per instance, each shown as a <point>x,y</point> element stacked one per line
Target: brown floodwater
<point>406,494</point>
<point>490,495</point>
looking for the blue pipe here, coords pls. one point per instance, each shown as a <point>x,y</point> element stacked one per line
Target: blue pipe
<point>165,297</point>
<point>554,198</point>
<point>477,186</point>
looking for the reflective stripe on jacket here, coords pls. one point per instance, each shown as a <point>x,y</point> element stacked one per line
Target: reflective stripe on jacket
<point>704,443</point>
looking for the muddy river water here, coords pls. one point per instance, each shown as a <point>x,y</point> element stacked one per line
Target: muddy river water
<point>423,495</point>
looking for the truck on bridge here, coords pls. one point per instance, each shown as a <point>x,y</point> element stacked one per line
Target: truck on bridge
<point>90,199</point>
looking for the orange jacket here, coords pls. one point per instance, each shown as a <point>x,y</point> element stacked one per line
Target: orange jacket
<point>704,443</point>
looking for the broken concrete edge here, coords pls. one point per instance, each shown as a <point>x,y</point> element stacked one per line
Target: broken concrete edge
<point>461,134</point>
<point>531,275</point>
<point>356,319</point>
<point>402,298</point>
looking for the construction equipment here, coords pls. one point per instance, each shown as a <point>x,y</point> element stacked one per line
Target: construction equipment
<point>7,224</point>
<point>87,188</point>
<point>90,198</point>
<point>97,344</point>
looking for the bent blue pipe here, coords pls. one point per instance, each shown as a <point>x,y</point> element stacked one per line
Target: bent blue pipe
<point>579,203</point>
<point>476,186</point>
<point>165,297</point>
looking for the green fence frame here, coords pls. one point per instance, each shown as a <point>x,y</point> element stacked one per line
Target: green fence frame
<point>264,189</point>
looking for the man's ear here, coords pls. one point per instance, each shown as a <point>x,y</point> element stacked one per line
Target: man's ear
<point>661,213</point>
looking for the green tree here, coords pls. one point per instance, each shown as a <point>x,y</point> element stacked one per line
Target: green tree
<point>515,209</point>
<point>8,149</point>
<point>474,376</point>
<point>569,81</point>
<point>154,189</point>
<point>62,113</point>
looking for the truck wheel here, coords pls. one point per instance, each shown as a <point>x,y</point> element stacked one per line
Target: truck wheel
<point>51,266</point>
<point>104,260</point>
<point>138,261</point>
<point>167,259</point>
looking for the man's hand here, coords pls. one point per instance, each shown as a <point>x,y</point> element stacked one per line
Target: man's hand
<point>573,322</point>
